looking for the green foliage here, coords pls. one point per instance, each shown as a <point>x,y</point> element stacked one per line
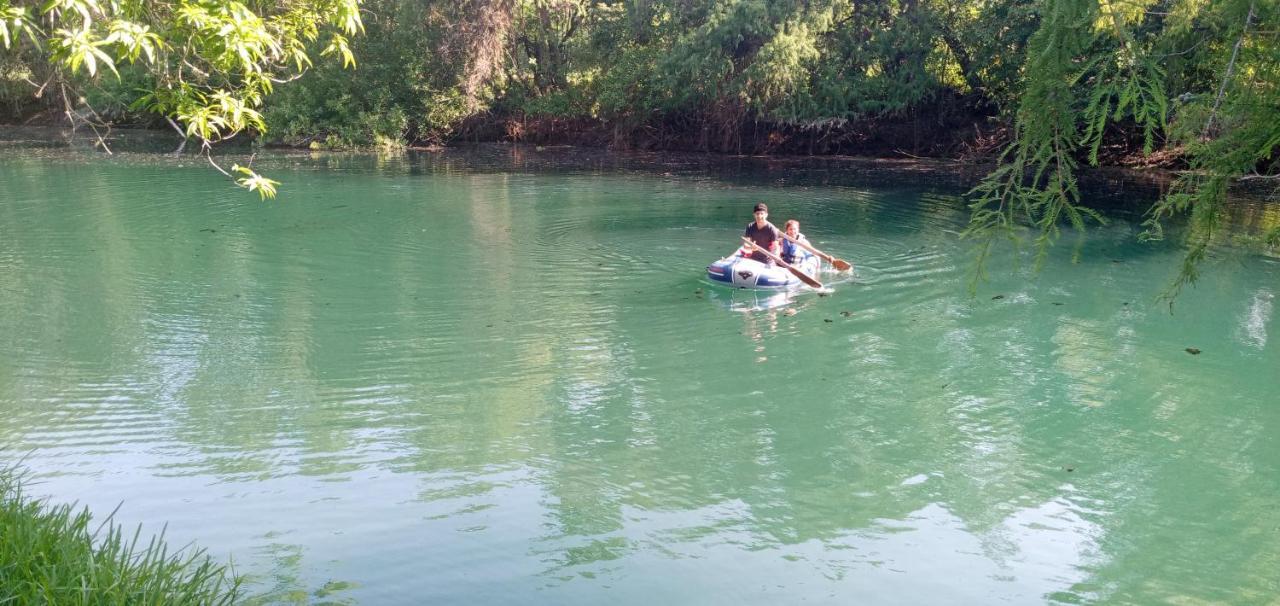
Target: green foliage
<point>329,114</point>
<point>566,103</point>
<point>252,181</point>
<point>1121,59</point>
<point>1133,87</point>
<point>778,77</point>
<point>788,62</point>
<point>628,92</point>
<point>408,86</point>
<point>55,554</point>
<point>208,63</point>
<point>433,64</point>
<point>1035,183</point>
<point>1228,135</point>
<point>14,23</point>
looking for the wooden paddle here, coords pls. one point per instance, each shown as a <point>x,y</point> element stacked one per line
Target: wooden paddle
<point>806,278</point>
<point>837,263</point>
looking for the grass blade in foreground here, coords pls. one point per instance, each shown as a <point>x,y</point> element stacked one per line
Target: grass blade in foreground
<point>54,554</point>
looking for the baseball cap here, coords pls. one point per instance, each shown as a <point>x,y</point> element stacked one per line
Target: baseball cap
<point>759,207</point>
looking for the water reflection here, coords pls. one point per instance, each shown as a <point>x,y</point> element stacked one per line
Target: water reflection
<point>1254,321</point>
<point>748,300</point>
<point>444,384</point>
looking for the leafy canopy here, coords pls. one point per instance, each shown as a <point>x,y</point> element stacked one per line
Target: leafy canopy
<point>208,64</point>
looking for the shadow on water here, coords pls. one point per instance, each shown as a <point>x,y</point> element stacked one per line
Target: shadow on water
<point>1117,192</point>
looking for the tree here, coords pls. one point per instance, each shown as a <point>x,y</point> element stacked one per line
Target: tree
<point>206,64</point>
<point>1095,63</point>
<point>1231,134</point>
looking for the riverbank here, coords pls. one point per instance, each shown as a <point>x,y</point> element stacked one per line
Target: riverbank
<point>1110,186</point>
<point>954,132</point>
<point>580,149</point>
<point>958,131</point>
<point>56,554</point>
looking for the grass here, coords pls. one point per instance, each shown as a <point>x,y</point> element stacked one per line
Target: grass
<point>55,554</point>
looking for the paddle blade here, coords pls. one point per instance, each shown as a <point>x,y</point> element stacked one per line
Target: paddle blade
<point>841,264</point>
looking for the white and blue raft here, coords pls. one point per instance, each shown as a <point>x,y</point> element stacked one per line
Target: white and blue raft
<point>745,272</point>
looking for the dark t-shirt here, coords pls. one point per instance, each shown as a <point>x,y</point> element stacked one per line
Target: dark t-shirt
<point>764,238</point>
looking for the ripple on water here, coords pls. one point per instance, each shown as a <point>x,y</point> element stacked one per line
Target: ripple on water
<point>462,386</point>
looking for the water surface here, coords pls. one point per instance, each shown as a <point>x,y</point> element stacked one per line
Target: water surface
<point>475,378</point>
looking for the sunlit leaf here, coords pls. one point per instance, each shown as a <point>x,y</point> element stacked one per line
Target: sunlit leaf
<point>252,181</point>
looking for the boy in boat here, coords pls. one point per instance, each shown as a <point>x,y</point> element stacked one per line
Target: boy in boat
<point>762,234</point>
<point>792,251</point>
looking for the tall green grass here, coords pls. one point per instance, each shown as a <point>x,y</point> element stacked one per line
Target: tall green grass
<point>55,554</point>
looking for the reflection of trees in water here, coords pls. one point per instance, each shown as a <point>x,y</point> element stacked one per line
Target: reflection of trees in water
<point>1253,217</point>
<point>299,375</point>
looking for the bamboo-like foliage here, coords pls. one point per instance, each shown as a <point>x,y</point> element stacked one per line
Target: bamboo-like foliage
<point>1231,134</point>
<point>1036,182</point>
<point>1093,63</point>
<point>56,554</point>
<point>1082,46</point>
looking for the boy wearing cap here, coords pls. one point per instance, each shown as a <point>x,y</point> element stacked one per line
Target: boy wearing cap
<point>763,234</point>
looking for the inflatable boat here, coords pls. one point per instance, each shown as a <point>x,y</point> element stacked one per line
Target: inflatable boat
<point>743,272</point>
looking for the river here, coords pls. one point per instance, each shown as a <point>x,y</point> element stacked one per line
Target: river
<point>499,376</point>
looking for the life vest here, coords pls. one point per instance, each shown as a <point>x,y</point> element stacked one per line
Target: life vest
<point>793,253</point>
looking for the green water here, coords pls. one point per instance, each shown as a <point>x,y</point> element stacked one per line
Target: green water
<point>474,378</point>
